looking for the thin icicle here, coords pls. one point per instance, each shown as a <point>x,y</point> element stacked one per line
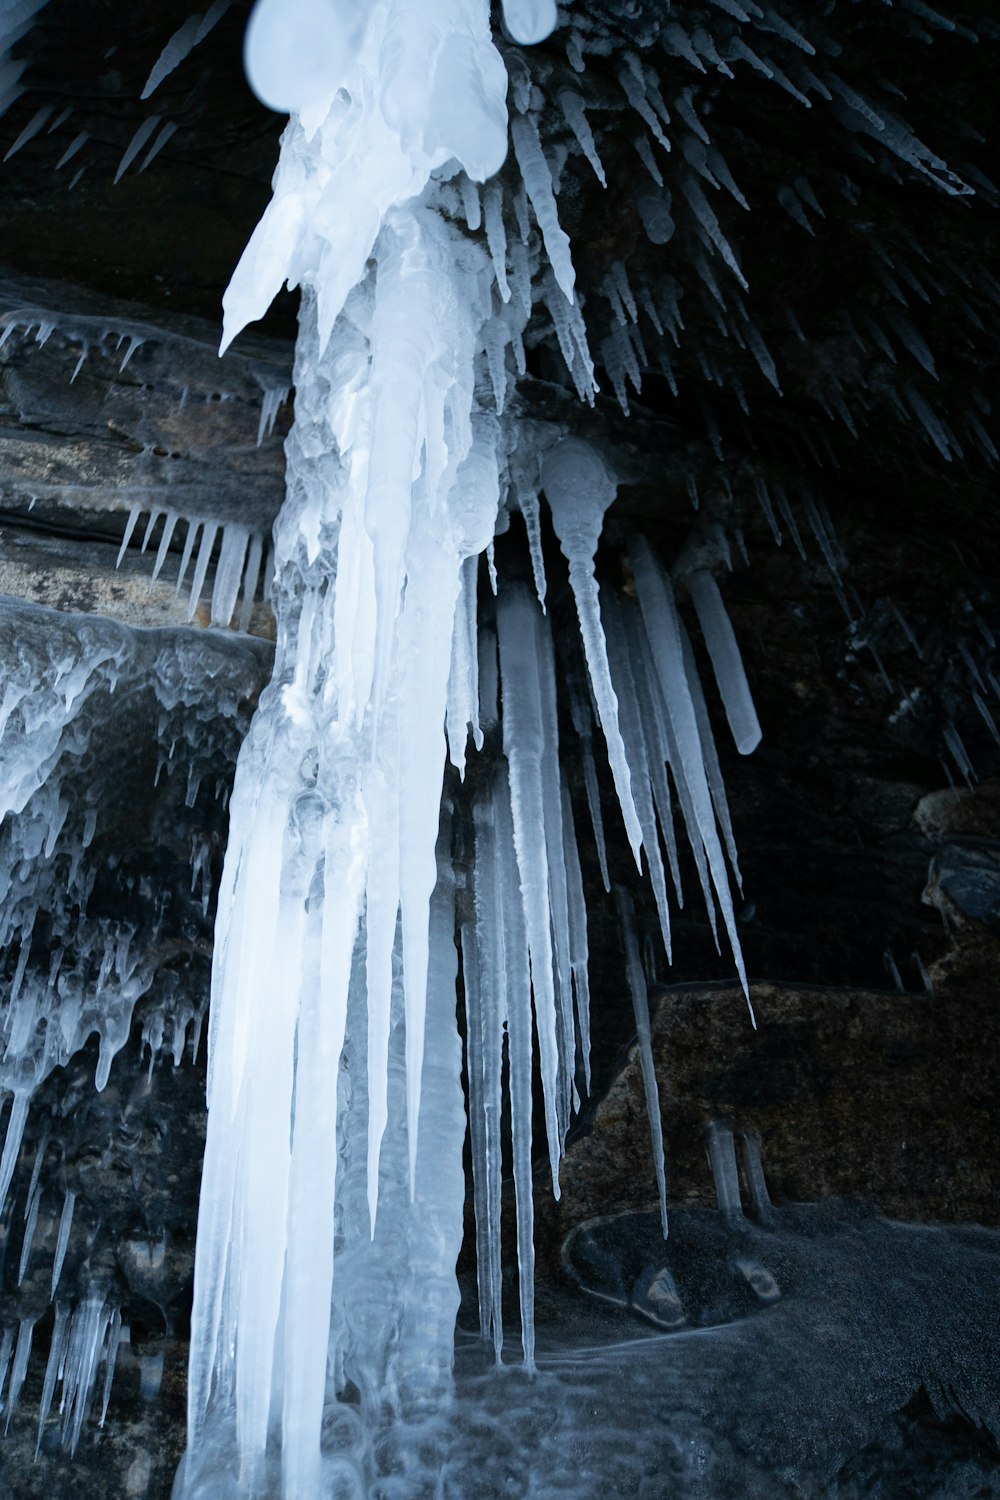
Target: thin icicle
<point>538,185</point>
<point>62,1238</point>
<point>579,488</point>
<point>640,1007</point>
<point>727,662</point>
<point>579,948</point>
<point>135,145</point>
<point>639,756</point>
<point>525,748</point>
<point>662,630</point>
<point>34,1202</point>
<point>201,566</point>
<point>575,116</point>
<point>496,235</point>
<point>166,132</point>
<point>33,127</point>
<point>182,42</point>
<point>169,523</point>
<point>251,577</point>
<point>19,1368</point>
<point>130,525</point>
<point>581,716</point>
<point>52,1369</point>
<point>519,1042</point>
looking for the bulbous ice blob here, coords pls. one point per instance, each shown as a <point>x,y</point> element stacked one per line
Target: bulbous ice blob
<point>296,51</point>
<point>529,21</point>
<point>579,488</point>
<point>467,109</point>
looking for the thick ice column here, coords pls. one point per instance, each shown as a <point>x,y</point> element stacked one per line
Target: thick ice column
<point>520,1050</point>
<point>422,1363</point>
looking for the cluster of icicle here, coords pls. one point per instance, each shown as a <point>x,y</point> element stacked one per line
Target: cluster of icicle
<point>232,556</point>
<point>677,67</point>
<point>70,974</point>
<point>333,1167</point>
<point>58,678</point>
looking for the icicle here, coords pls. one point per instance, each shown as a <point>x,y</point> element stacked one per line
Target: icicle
<point>62,1238</point>
<point>272,401</point>
<point>76,144</point>
<point>640,755</point>
<point>525,749</point>
<point>169,523</point>
<point>510,884</point>
<point>753,1167</point>
<point>52,1368</point>
<point>463,679</point>
<point>130,525</point>
<point>201,566</point>
<point>575,115</point>
<point>16,1120</point>
<point>165,133</point>
<point>640,1006</point>
<point>713,770</point>
<point>709,224</point>
<point>251,576</point>
<point>110,1361</point>
<point>635,92</point>
<point>579,949</point>
<point>579,488</point>
<point>19,1369</point>
<point>727,663</point>
<point>34,1202</point>
<point>538,185</point>
<point>580,713</point>
<point>229,573</point>
<point>490,1012</point>
<point>893,971</point>
<point>496,236</point>
<point>33,127</point>
<point>662,630</point>
<point>183,42</point>
<point>722,1157</point>
<point>135,145</point>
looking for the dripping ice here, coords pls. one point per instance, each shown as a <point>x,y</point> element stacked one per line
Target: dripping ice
<point>334,954</point>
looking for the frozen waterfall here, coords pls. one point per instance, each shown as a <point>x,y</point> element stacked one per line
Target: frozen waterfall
<point>333,1171</point>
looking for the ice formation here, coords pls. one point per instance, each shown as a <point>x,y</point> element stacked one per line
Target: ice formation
<point>334,971</point>
<point>333,1170</point>
<point>73,692</point>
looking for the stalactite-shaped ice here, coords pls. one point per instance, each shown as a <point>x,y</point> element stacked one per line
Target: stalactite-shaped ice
<point>526,749</point>
<point>573,110</point>
<point>519,1041</point>
<point>640,1006</point>
<point>659,615</point>
<point>581,716</point>
<point>634,732</point>
<point>579,488</point>
<point>727,662</point>
<point>538,185</point>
